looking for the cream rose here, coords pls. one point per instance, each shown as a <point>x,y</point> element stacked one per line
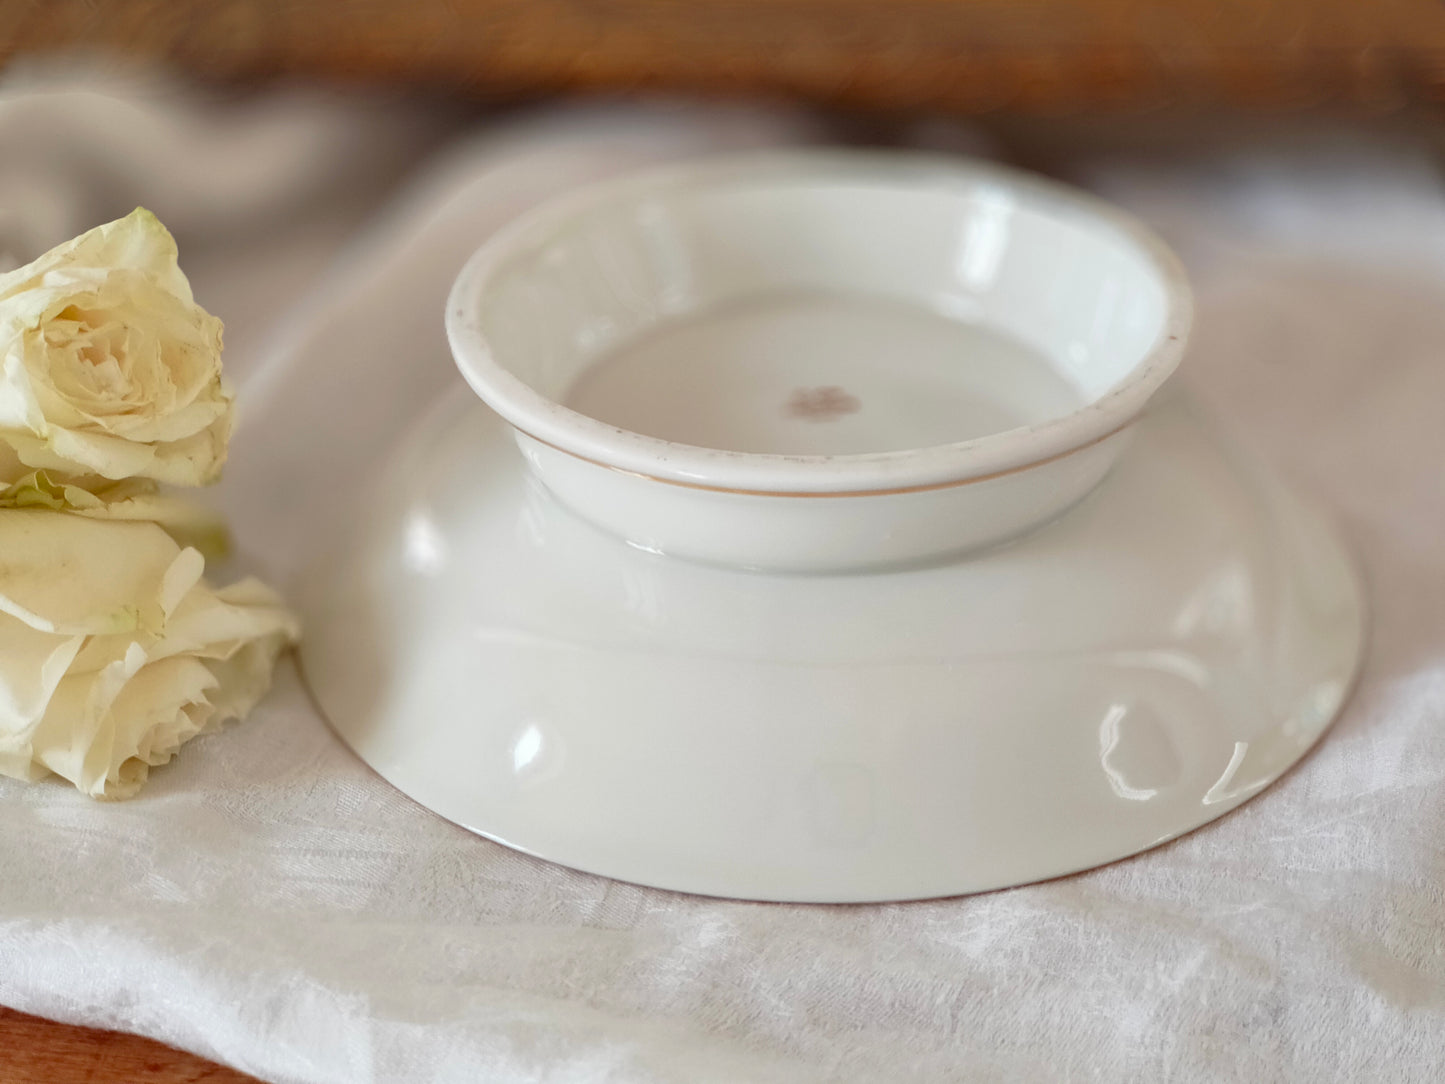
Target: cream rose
<point>107,365</point>
<point>114,652</point>
<point>129,499</point>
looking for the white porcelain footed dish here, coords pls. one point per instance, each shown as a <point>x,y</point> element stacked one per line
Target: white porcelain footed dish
<point>820,360</point>
<point>1138,667</point>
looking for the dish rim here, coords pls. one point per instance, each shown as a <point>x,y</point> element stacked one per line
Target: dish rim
<point>937,466</point>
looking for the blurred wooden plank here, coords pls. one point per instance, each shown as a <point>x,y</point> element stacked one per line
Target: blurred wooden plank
<point>957,55</point>
<point>35,1051</point>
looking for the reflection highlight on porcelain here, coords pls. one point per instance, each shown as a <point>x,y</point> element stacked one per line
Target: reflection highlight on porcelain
<point>1222,602</point>
<point>538,756</point>
<point>525,751</point>
<point>1221,790</point>
<point>1137,753</point>
<point>424,549</point>
<point>984,239</point>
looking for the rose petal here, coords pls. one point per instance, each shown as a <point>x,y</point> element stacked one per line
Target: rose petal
<point>129,500</point>
<point>138,241</point>
<point>128,703</point>
<point>107,365</point>
<point>32,665</point>
<point>73,575</point>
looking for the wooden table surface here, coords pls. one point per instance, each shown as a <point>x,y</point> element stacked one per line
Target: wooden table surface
<point>35,1051</point>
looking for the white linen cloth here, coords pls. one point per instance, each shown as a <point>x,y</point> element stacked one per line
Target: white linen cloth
<point>270,903</point>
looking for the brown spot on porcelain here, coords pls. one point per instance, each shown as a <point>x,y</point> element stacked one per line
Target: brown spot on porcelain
<point>825,404</point>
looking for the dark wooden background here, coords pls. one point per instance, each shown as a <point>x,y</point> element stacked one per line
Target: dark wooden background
<point>957,55</point>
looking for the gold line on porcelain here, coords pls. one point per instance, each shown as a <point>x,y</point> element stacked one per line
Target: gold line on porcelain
<point>841,493</point>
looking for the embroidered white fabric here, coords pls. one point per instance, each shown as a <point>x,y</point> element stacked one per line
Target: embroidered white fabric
<point>270,903</point>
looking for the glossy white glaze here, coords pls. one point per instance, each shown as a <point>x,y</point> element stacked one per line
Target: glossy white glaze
<point>818,534</point>
<point>822,374</point>
<point>1137,668</point>
<point>747,308</point>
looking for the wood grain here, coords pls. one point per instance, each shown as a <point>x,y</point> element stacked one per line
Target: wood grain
<point>35,1051</point>
<point>954,55</point>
